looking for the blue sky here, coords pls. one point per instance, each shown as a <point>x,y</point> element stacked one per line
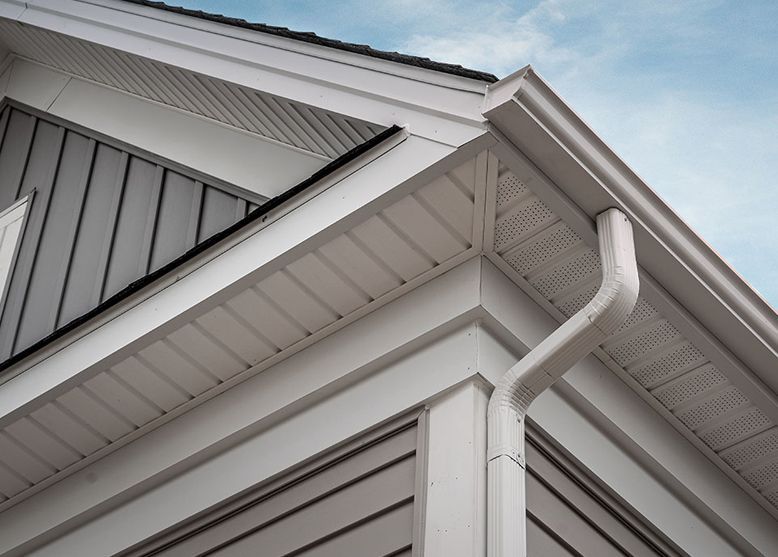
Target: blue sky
<point>686,92</point>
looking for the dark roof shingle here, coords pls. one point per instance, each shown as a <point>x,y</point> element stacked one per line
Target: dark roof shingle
<point>313,38</point>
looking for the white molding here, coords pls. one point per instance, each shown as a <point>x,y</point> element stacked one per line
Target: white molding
<point>244,159</point>
<point>535,121</point>
<point>455,516</point>
<point>470,321</point>
<point>689,326</point>
<point>653,442</point>
<point>253,254</point>
<point>425,330</point>
<point>440,107</point>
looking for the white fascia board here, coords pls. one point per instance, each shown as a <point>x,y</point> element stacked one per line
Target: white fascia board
<point>5,76</point>
<point>377,398</point>
<point>632,424</point>
<point>455,505</point>
<point>415,349</point>
<point>425,339</point>
<point>351,195</point>
<point>443,109</point>
<point>530,118</point>
<point>242,158</point>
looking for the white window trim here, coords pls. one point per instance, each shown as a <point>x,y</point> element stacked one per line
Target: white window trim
<point>18,211</point>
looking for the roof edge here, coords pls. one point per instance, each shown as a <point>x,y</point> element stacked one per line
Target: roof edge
<point>313,38</point>
<point>260,213</point>
<point>533,94</point>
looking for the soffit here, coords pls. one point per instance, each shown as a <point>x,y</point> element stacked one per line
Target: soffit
<point>305,127</point>
<point>688,382</point>
<point>415,238</point>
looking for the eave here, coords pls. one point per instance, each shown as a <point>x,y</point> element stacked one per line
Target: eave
<point>433,104</point>
<point>590,177</point>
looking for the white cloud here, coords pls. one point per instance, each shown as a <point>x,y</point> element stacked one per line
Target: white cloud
<point>708,154</point>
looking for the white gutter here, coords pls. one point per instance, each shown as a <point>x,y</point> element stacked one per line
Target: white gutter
<point>538,370</point>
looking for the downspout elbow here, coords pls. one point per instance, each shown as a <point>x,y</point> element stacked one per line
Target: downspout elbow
<point>539,369</point>
<point>585,330</point>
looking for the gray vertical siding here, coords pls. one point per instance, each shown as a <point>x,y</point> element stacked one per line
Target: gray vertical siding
<point>568,513</point>
<point>103,215</point>
<point>356,502</point>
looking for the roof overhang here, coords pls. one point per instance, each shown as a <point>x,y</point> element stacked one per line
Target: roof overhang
<point>432,104</point>
<point>561,150</point>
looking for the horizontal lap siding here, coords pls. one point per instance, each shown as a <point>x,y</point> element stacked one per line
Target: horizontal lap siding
<point>567,514</point>
<point>100,218</point>
<point>357,504</point>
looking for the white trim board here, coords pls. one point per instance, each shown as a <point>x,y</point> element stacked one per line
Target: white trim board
<point>321,218</point>
<point>412,349</point>
<point>436,106</point>
<point>634,425</point>
<point>241,158</point>
<point>532,122</point>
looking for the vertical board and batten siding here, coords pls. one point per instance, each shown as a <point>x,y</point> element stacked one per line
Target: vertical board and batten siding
<point>361,500</point>
<point>103,215</point>
<point>568,514</point>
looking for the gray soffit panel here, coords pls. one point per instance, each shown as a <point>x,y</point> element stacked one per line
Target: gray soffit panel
<point>358,499</point>
<point>304,127</point>
<point>106,220</point>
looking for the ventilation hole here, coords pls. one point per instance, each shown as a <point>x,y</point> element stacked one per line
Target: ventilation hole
<point>567,274</point>
<point>526,218</point>
<point>761,446</point>
<point>573,305</point>
<point>763,476</point>
<point>543,249</point>
<point>742,426</point>
<point>705,379</point>
<point>773,498</point>
<point>509,188</point>
<point>646,341</point>
<point>724,402</point>
<point>643,311</point>
<point>684,356</point>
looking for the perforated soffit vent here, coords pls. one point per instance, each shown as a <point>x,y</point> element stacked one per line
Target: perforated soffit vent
<point>556,262</point>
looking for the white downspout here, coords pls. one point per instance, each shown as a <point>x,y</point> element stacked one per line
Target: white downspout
<point>538,370</point>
